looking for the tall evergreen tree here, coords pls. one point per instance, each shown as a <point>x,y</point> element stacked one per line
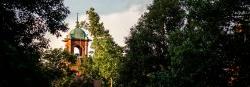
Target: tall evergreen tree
<point>107,54</point>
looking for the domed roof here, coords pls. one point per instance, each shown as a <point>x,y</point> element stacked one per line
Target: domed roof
<point>78,33</point>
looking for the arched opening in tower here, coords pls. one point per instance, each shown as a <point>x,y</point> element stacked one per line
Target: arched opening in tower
<point>77,51</point>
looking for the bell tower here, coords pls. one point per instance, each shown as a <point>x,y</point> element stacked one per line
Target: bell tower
<point>77,38</point>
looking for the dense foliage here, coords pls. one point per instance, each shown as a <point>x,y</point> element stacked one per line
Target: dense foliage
<point>189,43</point>
<point>57,62</point>
<point>107,54</point>
<point>147,47</point>
<point>23,26</point>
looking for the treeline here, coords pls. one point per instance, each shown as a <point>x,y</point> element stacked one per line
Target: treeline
<point>182,43</point>
<point>178,44</point>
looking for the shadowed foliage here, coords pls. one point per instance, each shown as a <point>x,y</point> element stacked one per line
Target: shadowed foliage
<point>23,26</point>
<point>182,43</point>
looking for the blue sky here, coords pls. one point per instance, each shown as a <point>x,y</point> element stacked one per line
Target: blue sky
<point>118,16</point>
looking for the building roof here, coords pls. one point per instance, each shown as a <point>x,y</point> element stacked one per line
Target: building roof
<point>78,33</point>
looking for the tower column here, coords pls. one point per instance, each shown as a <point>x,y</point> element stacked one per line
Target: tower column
<point>86,48</point>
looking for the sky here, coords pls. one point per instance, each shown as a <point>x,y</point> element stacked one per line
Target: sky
<point>118,17</point>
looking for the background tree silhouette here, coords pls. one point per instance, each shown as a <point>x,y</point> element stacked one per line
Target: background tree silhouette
<point>23,26</point>
<point>197,43</point>
<point>147,46</point>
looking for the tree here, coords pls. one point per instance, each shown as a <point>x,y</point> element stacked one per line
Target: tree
<point>147,47</point>
<point>210,49</point>
<point>57,62</point>
<point>107,54</point>
<point>23,26</point>
<point>218,21</point>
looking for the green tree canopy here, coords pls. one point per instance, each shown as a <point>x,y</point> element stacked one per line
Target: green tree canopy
<point>147,46</point>
<point>215,39</point>
<point>107,54</point>
<point>23,26</point>
<point>57,63</point>
<point>189,43</point>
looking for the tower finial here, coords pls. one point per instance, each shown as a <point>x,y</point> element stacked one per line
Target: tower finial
<point>77,17</point>
<point>77,22</point>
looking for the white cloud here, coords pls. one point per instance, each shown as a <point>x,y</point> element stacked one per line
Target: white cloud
<point>118,24</point>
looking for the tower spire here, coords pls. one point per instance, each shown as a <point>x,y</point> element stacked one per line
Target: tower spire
<point>77,22</point>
